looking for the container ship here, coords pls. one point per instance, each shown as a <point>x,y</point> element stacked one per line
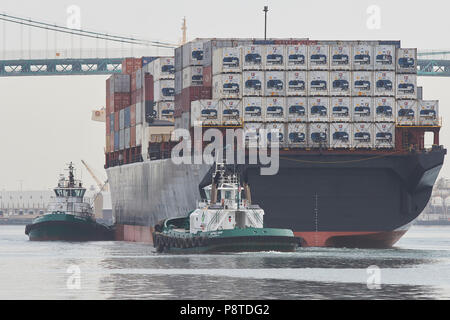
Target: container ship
<point>353,167</point>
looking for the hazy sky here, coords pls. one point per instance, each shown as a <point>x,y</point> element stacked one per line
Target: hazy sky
<point>45,121</point>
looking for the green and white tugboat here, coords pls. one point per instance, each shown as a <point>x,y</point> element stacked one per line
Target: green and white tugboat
<point>69,218</point>
<point>223,222</point>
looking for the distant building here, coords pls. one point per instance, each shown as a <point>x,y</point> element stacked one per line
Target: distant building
<point>22,203</point>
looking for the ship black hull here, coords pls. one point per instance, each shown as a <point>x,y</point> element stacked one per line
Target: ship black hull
<point>340,200</point>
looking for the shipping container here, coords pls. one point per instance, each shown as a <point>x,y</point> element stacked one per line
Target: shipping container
<point>227,60</point>
<point>139,113</point>
<point>162,68</point>
<point>319,57</point>
<point>252,57</point>
<point>108,143</point>
<point>406,86</point>
<point>132,115</point>
<point>318,109</point>
<point>384,109</point>
<point>275,109</point>
<point>362,84</point>
<point>120,83</point>
<point>384,57</point>
<point>131,65</point>
<point>296,83</point>
<point>297,57</point>
<point>384,135</point>
<point>139,134</point>
<point>384,83</point>
<point>127,117</point>
<point>108,123</point>
<point>406,112</point>
<point>428,113</point>
<point>362,109</point>
<point>148,94</point>
<point>192,76</point>
<point>178,82</point>
<point>205,112</point>
<point>133,136</point>
<point>253,83</point>
<point>340,109</point>
<point>120,101</point>
<point>122,139</point>
<point>275,132</point>
<point>192,54</point>
<point>164,90</point>
<point>318,83</point>
<point>227,86</point>
<point>116,121</point>
<point>117,141</point>
<point>406,60</point>
<point>127,136</point>
<point>251,133</point>
<point>363,135</point>
<point>363,57</point>
<point>297,109</point>
<point>318,135</point>
<point>231,112</point>
<point>165,110</point>
<point>340,135</point>
<point>122,119</point>
<point>178,59</point>
<point>147,60</point>
<point>183,100</point>
<point>212,44</point>
<point>275,84</point>
<point>341,57</point>
<point>207,76</point>
<point>340,83</point>
<point>253,109</point>
<point>297,135</point>
<point>274,57</point>
<point>111,142</point>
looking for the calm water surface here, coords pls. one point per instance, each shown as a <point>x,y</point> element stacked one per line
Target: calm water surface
<point>417,268</point>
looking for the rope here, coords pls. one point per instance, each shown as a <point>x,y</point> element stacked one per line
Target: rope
<point>344,161</point>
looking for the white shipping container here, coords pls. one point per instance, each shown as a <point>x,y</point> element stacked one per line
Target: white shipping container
<point>127,138</point>
<point>406,112</point>
<point>252,57</point>
<point>340,109</point>
<point>297,57</point>
<point>384,83</point>
<point>139,113</point>
<point>362,110</point>
<point>227,60</point>
<point>253,83</point>
<point>384,109</point>
<point>297,135</point>
<point>121,139</point>
<point>384,57</point>
<point>164,90</point>
<point>253,109</point>
<point>251,133</point>
<point>319,57</point>
<point>362,84</point>
<point>318,135</point>
<point>121,119</point>
<point>384,135</point>
<point>296,83</point>
<point>406,60</point>
<point>205,112</point>
<point>428,113</point>
<point>363,57</point>
<point>178,81</point>
<point>318,109</point>
<point>274,129</point>
<point>406,86</point>
<point>274,57</point>
<point>341,57</point>
<point>165,110</point>
<point>318,83</point>
<point>340,83</point>
<point>139,129</point>
<point>362,135</point>
<point>275,84</point>
<point>193,54</point>
<point>139,78</point>
<point>340,135</point>
<point>231,112</point>
<point>227,86</point>
<point>192,76</point>
<point>162,68</point>
<point>275,109</point>
<point>297,109</point>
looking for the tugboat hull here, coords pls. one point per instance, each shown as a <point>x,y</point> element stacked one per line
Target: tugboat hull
<point>67,228</point>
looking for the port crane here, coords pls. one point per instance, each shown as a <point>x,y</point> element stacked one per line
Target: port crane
<point>102,186</point>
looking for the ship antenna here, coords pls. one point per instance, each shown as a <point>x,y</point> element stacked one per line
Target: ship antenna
<point>71,177</point>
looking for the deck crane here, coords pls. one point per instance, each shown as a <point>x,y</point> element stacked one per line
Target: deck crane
<point>103,186</point>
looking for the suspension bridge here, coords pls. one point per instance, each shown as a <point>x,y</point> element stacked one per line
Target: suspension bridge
<point>108,59</point>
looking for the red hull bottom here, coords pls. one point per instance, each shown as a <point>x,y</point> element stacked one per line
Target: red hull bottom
<point>385,239</point>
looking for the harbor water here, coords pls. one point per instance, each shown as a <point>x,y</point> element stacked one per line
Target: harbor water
<point>418,267</point>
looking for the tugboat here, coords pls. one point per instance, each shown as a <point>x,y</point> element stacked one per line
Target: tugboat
<point>69,218</point>
<point>222,222</point>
